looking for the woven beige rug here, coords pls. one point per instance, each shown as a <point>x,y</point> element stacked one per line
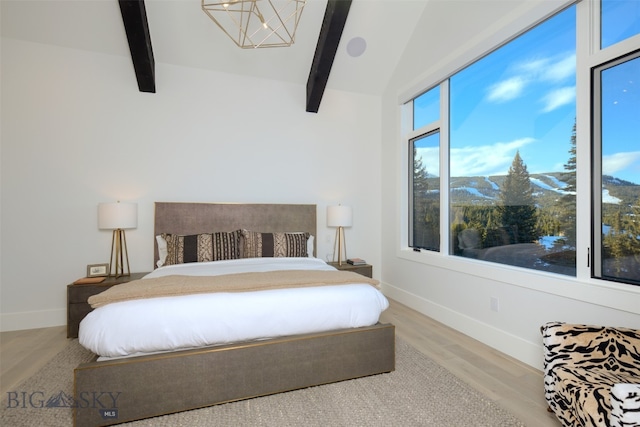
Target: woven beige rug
<point>418,393</point>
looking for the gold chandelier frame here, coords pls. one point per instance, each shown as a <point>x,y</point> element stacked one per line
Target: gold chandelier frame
<point>255,24</point>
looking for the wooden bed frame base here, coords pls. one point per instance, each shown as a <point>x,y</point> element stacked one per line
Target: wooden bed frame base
<point>117,391</point>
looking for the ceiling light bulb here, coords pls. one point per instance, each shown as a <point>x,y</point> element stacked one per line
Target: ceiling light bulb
<point>261,18</point>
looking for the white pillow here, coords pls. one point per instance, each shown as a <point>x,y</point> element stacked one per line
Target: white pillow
<point>162,250</point>
<point>310,246</point>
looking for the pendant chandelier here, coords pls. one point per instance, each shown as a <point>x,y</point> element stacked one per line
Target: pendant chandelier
<point>256,23</point>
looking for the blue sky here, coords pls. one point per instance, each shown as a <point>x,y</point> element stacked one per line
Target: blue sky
<point>621,121</point>
<point>522,98</point>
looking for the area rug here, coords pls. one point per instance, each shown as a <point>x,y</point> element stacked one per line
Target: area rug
<point>418,393</point>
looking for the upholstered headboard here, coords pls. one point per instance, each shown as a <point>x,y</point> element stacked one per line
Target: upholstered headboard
<point>194,218</point>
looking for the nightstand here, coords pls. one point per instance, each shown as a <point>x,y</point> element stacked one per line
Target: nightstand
<point>365,270</point>
<point>77,296</point>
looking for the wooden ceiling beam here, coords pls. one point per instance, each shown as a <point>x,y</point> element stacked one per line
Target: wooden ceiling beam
<point>134,16</point>
<point>335,18</point>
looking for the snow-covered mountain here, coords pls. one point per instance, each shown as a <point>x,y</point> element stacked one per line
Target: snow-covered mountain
<point>547,188</point>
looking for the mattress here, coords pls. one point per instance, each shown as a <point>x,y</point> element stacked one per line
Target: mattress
<point>137,327</point>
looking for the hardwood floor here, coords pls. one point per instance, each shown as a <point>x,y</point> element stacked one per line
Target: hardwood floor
<point>514,385</point>
<point>517,387</point>
<point>22,353</point>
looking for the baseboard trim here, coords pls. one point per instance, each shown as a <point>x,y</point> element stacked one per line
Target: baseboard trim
<point>512,345</point>
<point>32,319</point>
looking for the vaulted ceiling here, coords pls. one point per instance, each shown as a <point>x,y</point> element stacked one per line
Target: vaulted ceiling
<point>136,25</point>
<point>181,34</point>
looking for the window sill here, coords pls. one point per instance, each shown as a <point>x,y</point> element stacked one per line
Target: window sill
<point>608,294</point>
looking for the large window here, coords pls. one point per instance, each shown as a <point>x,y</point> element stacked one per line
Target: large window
<point>426,108</point>
<point>510,142</point>
<point>620,19</point>
<point>511,120</point>
<point>616,150</point>
<point>425,209</point>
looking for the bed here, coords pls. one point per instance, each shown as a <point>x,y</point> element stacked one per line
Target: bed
<point>156,381</point>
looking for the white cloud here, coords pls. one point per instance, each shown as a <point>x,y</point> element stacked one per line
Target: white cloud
<point>485,160</point>
<point>506,90</point>
<point>558,97</point>
<point>614,163</point>
<point>560,69</point>
<point>430,159</point>
<point>532,67</point>
<point>538,71</point>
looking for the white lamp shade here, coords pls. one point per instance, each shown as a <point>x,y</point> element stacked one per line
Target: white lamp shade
<point>112,216</point>
<point>339,216</point>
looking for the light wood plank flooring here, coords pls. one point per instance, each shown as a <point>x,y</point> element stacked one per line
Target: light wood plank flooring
<point>514,385</point>
<point>23,353</point>
<point>517,387</point>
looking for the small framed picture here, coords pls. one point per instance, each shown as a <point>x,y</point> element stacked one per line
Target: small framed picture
<point>97,270</point>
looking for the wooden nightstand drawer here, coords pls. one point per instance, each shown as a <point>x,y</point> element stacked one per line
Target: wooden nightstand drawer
<point>75,313</point>
<point>81,293</point>
<point>77,296</point>
<point>365,270</point>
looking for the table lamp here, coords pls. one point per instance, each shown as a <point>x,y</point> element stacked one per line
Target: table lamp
<point>340,217</point>
<point>118,217</point>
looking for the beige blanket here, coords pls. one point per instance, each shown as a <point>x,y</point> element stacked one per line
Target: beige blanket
<point>240,282</point>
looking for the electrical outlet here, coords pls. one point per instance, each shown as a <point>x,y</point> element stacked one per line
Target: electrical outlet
<point>495,304</point>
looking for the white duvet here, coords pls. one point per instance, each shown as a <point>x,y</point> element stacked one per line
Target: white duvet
<point>172,323</point>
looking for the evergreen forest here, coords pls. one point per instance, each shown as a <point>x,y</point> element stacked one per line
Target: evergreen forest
<point>537,211</point>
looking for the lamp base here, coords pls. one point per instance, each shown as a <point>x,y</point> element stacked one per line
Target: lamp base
<point>119,254</point>
<point>341,245</point>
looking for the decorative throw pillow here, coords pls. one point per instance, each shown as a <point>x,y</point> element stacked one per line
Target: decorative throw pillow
<point>256,244</point>
<point>162,250</point>
<point>226,245</point>
<point>201,247</point>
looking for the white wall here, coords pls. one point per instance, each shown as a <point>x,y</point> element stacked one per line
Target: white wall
<point>458,291</point>
<point>76,131</point>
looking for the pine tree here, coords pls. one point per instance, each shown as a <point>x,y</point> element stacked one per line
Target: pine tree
<point>570,166</point>
<point>614,244</point>
<point>567,203</point>
<point>420,183</point>
<point>622,242</point>
<point>426,208</point>
<point>517,208</point>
